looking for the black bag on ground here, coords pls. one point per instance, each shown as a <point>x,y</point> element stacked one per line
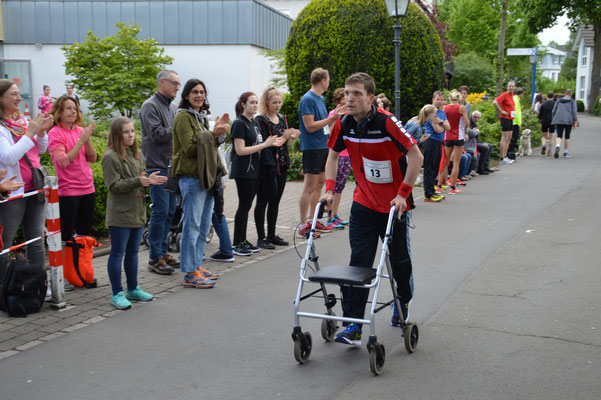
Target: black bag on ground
<point>23,288</point>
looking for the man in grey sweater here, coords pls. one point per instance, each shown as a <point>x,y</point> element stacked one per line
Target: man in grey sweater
<point>565,115</point>
<point>156,116</point>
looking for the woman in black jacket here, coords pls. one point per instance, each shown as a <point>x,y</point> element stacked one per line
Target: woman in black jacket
<point>248,144</point>
<point>545,116</point>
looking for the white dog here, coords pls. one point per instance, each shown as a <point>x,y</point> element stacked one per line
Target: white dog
<point>525,144</point>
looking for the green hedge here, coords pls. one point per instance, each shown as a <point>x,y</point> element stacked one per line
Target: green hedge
<point>597,106</point>
<point>579,105</point>
<point>474,71</point>
<point>347,36</point>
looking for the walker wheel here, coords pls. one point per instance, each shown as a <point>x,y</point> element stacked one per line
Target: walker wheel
<point>328,329</point>
<point>209,236</point>
<point>411,335</point>
<point>377,356</point>
<point>302,347</point>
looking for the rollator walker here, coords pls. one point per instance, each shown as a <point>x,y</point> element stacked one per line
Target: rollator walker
<point>348,276</point>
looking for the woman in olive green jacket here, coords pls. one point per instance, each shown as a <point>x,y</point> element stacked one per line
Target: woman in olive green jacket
<point>124,173</point>
<point>197,165</point>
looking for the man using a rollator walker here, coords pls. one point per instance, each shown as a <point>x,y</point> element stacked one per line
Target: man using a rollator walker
<point>386,161</point>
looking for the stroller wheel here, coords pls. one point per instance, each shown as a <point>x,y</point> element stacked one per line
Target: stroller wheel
<point>210,234</point>
<point>172,241</point>
<point>411,335</point>
<point>145,236</point>
<point>302,347</point>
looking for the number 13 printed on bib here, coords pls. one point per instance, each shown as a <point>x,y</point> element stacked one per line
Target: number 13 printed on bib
<point>377,171</point>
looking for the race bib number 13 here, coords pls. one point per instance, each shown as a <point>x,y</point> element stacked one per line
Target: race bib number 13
<point>377,171</point>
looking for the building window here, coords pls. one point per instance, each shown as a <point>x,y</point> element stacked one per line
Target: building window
<point>553,75</point>
<point>584,56</point>
<point>582,87</point>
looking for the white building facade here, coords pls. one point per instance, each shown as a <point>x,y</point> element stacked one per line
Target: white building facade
<point>583,46</point>
<point>550,63</point>
<point>217,42</point>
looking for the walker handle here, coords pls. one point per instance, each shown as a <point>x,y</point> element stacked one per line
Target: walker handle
<point>321,208</point>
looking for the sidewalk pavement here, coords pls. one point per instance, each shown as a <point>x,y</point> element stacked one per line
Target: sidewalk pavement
<point>88,306</point>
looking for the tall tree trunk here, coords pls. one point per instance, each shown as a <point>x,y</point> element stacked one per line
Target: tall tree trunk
<point>596,72</point>
<point>501,52</point>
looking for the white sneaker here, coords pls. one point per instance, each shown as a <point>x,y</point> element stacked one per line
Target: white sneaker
<point>508,160</point>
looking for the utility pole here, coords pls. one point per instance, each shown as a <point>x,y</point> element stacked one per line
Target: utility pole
<point>501,52</point>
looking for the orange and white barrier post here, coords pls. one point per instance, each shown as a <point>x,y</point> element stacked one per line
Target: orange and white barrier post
<point>55,250</point>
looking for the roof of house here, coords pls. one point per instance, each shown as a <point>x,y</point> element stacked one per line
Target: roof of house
<point>585,33</point>
<point>553,51</point>
<point>167,21</point>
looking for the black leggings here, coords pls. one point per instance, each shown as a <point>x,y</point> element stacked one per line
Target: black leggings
<point>77,215</point>
<point>272,210</point>
<point>247,189</point>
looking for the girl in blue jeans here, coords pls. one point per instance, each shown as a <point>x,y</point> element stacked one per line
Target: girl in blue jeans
<point>123,169</point>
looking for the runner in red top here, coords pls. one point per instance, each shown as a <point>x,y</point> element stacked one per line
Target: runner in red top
<point>386,161</point>
<point>504,103</point>
<point>454,139</point>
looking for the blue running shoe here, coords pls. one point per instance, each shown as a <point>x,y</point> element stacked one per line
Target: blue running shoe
<point>119,301</point>
<point>395,320</point>
<point>351,335</point>
<point>340,220</point>
<point>138,294</point>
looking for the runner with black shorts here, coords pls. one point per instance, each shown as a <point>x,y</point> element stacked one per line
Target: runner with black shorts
<point>386,161</point>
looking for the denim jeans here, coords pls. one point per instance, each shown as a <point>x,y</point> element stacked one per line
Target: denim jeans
<point>197,205</point>
<point>29,213</point>
<point>125,243</point>
<point>163,208</point>
<point>464,164</point>
<point>222,231</point>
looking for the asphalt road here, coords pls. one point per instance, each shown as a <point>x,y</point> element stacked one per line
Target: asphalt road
<point>507,279</point>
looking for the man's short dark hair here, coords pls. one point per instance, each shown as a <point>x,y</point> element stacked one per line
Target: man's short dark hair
<point>438,93</point>
<point>464,87</point>
<point>364,79</point>
<point>519,91</point>
<point>550,94</point>
<point>318,75</point>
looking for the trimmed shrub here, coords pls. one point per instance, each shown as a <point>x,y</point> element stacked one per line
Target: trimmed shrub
<point>579,105</point>
<point>347,36</point>
<point>474,71</point>
<point>597,106</point>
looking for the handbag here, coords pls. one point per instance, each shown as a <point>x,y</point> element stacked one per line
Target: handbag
<point>39,178</point>
<point>171,185</point>
<point>38,175</point>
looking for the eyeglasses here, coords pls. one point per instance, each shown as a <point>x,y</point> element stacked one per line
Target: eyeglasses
<point>198,92</point>
<point>174,83</point>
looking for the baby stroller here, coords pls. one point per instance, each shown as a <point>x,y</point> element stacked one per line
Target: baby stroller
<point>347,276</point>
<point>174,237</point>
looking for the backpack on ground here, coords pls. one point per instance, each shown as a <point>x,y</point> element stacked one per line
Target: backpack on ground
<point>23,288</point>
<point>78,269</point>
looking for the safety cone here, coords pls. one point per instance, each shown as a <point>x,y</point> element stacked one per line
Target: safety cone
<point>27,112</point>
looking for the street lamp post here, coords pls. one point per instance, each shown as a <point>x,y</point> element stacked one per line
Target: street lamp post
<point>533,61</point>
<point>396,9</point>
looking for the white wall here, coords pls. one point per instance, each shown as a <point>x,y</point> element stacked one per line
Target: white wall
<point>46,68</point>
<point>227,71</point>
<point>583,71</point>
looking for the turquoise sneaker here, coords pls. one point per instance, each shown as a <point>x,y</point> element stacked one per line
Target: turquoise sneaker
<point>138,294</point>
<point>119,301</point>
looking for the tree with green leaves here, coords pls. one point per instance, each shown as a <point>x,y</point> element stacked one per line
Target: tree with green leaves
<point>116,73</point>
<point>347,36</point>
<point>478,26</point>
<point>474,71</point>
<point>543,14</point>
